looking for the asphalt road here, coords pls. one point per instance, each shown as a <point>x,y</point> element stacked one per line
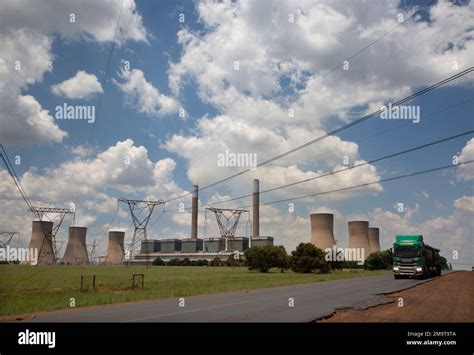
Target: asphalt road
<point>310,301</point>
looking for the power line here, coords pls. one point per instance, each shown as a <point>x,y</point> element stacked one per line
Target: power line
<point>298,95</point>
<point>369,183</point>
<point>112,48</point>
<point>357,141</point>
<point>14,177</point>
<point>338,130</point>
<point>341,170</point>
<point>445,167</point>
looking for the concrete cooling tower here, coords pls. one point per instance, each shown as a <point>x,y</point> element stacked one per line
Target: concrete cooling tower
<point>374,240</point>
<point>42,241</point>
<point>76,250</point>
<point>115,248</point>
<point>322,226</point>
<point>359,236</point>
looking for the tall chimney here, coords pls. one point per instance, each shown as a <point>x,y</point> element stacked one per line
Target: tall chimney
<point>194,216</point>
<point>256,209</point>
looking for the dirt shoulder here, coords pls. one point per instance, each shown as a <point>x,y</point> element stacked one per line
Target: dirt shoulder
<point>449,298</point>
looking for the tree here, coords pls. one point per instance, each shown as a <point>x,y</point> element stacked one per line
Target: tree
<point>444,263</point>
<point>174,262</point>
<point>158,262</point>
<point>232,261</point>
<point>216,262</point>
<point>380,260</point>
<point>308,258</point>
<point>263,258</point>
<point>186,262</point>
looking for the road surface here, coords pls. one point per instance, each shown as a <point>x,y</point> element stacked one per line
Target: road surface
<point>296,303</point>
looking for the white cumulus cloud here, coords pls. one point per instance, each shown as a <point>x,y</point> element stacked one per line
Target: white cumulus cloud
<point>81,86</point>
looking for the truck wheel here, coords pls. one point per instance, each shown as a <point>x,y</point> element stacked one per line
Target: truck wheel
<point>396,277</point>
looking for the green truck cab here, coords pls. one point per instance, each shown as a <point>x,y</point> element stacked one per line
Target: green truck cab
<point>413,258</point>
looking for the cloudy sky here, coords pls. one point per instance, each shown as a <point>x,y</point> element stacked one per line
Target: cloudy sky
<point>176,83</point>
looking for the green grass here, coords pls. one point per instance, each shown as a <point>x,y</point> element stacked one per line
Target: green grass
<point>26,289</point>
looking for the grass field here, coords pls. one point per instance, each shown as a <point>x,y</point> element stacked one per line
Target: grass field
<point>27,289</point>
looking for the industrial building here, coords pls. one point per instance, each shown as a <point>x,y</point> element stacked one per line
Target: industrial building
<point>374,239</point>
<point>76,250</point>
<point>207,248</point>
<point>359,236</point>
<point>322,230</point>
<point>191,245</point>
<point>42,240</point>
<point>115,248</point>
<point>150,246</point>
<point>170,245</point>
<point>261,241</point>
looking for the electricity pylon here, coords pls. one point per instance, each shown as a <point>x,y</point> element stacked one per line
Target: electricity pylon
<point>141,212</point>
<point>227,220</point>
<point>59,215</point>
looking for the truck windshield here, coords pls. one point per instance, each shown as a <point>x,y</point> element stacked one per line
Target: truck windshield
<point>407,251</point>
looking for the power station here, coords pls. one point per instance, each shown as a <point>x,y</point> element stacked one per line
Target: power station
<point>374,239</point>
<point>115,248</point>
<point>361,237</point>
<point>76,250</point>
<point>322,230</point>
<point>42,240</point>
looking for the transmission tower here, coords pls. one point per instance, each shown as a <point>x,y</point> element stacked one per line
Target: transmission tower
<point>58,217</point>
<point>6,238</point>
<point>227,220</point>
<point>141,212</point>
<point>93,254</point>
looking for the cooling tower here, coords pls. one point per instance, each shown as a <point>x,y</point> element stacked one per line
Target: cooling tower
<point>322,225</point>
<point>76,250</point>
<point>374,240</point>
<point>256,209</point>
<point>115,248</point>
<point>194,216</point>
<point>42,241</point>
<point>359,236</point>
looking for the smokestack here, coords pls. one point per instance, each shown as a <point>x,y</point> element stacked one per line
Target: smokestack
<point>115,248</point>
<point>194,216</point>
<point>322,227</point>
<point>374,240</point>
<point>42,241</point>
<point>76,250</point>
<point>256,209</point>
<point>359,236</point>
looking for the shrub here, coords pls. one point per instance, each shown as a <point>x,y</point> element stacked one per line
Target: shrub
<point>186,262</point>
<point>232,261</point>
<point>308,258</point>
<point>263,258</point>
<point>174,262</point>
<point>216,262</point>
<point>379,260</point>
<point>158,262</point>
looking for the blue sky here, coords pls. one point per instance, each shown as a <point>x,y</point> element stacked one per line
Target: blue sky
<point>190,65</point>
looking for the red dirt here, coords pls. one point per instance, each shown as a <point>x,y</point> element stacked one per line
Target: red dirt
<point>449,298</point>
